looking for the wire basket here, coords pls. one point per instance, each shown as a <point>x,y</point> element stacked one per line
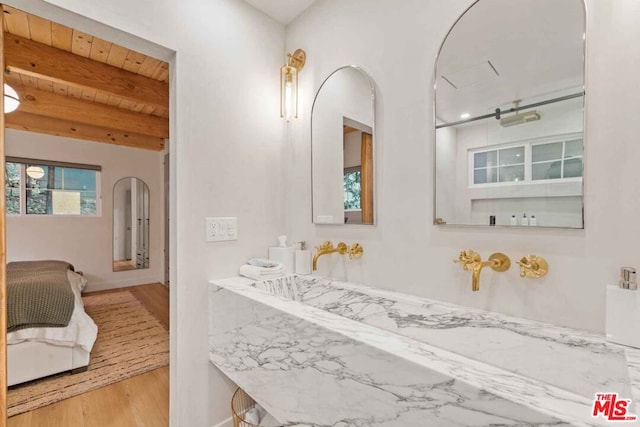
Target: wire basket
<point>241,402</point>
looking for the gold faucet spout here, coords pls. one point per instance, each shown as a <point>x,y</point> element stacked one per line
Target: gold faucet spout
<point>470,260</point>
<point>475,278</point>
<point>328,248</point>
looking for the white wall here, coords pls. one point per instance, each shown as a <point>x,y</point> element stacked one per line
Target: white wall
<point>353,149</point>
<point>86,242</point>
<point>397,43</point>
<point>227,139</point>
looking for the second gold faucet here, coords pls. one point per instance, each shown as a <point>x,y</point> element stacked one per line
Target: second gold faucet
<point>354,251</point>
<point>471,260</point>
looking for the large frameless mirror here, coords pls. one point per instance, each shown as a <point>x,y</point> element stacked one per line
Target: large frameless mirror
<point>342,149</point>
<point>130,224</point>
<point>509,115</point>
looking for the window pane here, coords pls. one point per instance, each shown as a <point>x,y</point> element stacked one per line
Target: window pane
<point>573,168</point>
<point>512,173</point>
<point>12,174</point>
<point>352,190</point>
<point>12,190</point>
<point>484,176</point>
<point>512,156</point>
<point>88,203</point>
<point>79,179</point>
<point>548,170</point>
<point>486,159</point>
<point>573,148</point>
<point>13,201</point>
<point>65,202</point>
<point>542,152</point>
<point>39,202</point>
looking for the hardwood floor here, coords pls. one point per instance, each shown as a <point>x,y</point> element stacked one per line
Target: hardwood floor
<point>140,401</point>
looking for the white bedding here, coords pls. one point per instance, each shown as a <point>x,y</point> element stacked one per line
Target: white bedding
<point>81,331</point>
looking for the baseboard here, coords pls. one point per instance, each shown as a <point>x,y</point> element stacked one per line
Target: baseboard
<point>103,286</point>
<point>226,423</point>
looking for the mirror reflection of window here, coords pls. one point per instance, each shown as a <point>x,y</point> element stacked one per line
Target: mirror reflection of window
<point>358,179</point>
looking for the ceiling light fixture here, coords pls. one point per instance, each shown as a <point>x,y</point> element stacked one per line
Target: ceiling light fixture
<point>465,116</point>
<point>519,118</point>
<point>289,84</point>
<point>35,172</point>
<point>11,99</point>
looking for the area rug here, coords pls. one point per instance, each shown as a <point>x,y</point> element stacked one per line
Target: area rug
<point>130,342</point>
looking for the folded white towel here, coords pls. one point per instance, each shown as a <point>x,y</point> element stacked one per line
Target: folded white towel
<point>262,262</point>
<point>262,273</point>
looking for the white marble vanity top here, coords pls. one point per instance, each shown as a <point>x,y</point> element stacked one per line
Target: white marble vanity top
<point>550,369</point>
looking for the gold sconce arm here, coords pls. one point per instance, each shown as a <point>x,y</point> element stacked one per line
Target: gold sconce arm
<point>533,266</point>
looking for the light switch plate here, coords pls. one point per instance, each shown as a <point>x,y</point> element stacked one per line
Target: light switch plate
<point>221,229</point>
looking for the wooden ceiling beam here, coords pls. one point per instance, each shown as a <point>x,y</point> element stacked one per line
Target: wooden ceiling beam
<point>30,58</point>
<point>75,110</point>
<point>51,126</point>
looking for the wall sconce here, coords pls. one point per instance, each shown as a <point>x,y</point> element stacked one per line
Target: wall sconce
<point>289,84</point>
<point>11,99</point>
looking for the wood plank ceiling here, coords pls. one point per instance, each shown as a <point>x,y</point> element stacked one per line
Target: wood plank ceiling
<point>75,85</point>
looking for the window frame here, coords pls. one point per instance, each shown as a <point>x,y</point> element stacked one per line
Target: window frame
<point>23,162</point>
<point>528,160</point>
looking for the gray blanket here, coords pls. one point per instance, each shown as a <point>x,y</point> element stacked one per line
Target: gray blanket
<point>38,294</point>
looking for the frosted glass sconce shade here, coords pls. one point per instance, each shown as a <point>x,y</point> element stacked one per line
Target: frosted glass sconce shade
<point>289,84</point>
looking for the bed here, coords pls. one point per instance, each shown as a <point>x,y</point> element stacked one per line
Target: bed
<point>39,350</point>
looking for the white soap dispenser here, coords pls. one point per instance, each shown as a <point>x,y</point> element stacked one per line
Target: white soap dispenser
<point>524,221</point>
<point>303,260</point>
<point>533,222</point>
<point>514,220</point>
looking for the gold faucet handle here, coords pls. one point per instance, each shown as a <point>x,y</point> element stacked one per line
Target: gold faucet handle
<point>355,251</point>
<point>326,246</point>
<point>533,266</point>
<point>468,258</point>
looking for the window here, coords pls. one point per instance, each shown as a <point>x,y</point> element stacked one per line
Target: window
<point>556,160</point>
<point>36,187</point>
<point>503,165</point>
<point>528,162</point>
<point>352,188</point>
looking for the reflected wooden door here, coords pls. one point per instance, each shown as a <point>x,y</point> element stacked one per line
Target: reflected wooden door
<point>3,258</point>
<point>366,178</point>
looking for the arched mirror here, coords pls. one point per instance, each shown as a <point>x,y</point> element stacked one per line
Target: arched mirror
<point>130,224</point>
<point>509,115</point>
<point>342,148</point>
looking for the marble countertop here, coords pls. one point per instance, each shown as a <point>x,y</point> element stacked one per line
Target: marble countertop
<point>550,369</point>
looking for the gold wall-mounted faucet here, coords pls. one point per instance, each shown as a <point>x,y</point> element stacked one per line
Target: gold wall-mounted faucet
<point>533,266</point>
<point>471,260</point>
<point>354,251</point>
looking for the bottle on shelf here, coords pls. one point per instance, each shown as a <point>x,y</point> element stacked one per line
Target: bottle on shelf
<point>514,220</point>
<point>533,222</point>
<point>524,221</point>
